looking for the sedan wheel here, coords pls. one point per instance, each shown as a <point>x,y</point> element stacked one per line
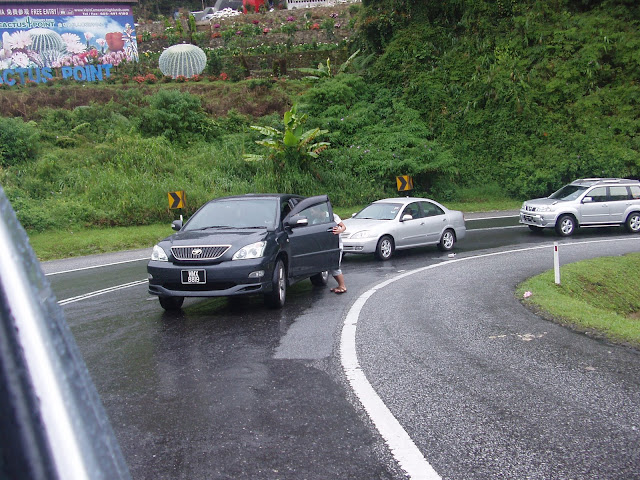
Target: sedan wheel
<point>278,294</point>
<point>171,303</point>
<point>320,279</point>
<point>633,222</point>
<point>447,241</point>
<point>384,250</point>
<point>566,225</point>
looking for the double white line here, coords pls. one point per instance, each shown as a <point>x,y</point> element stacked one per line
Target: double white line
<point>84,296</point>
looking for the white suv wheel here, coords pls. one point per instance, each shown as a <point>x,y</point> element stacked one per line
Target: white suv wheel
<point>565,225</point>
<point>633,222</point>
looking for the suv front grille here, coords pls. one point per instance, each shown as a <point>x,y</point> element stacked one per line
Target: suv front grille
<point>529,208</point>
<point>209,252</point>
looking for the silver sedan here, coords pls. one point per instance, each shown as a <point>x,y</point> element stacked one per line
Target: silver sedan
<point>399,223</point>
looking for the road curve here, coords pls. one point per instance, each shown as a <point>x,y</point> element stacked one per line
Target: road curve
<point>483,387</point>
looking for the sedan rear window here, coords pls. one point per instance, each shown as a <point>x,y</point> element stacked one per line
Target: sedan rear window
<point>236,213</point>
<point>380,211</point>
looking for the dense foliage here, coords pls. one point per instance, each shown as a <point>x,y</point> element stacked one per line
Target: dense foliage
<point>473,98</point>
<point>528,96</point>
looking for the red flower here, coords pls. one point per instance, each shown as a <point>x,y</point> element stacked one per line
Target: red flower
<point>224,76</point>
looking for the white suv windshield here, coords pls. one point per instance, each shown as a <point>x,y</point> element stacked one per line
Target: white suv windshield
<point>568,192</point>
<point>234,213</point>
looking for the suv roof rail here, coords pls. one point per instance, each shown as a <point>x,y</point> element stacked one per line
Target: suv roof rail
<point>603,180</point>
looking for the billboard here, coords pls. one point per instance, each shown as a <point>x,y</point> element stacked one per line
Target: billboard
<point>76,41</point>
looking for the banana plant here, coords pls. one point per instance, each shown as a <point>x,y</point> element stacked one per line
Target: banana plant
<point>293,146</point>
<point>325,71</point>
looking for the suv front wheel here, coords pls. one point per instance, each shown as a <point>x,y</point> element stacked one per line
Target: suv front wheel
<point>278,294</point>
<point>171,303</point>
<point>633,222</point>
<point>566,225</point>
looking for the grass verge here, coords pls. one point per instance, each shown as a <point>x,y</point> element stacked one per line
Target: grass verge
<point>64,244</point>
<point>598,297</point>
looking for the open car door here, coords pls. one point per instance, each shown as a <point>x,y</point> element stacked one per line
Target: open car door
<point>314,248</point>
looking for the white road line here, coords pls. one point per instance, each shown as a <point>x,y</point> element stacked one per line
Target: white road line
<point>96,293</point>
<point>97,266</point>
<point>402,447</point>
<point>494,228</point>
<point>490,218</point>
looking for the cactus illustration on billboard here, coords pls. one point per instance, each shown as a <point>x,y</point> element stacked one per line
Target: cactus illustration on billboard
<point>184,60</point>
<point>43,39</point>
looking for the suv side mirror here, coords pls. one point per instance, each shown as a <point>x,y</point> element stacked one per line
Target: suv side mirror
<point>587,200</point>
<point>176,225</point>
<point>297,221</point>
<point>406,217</point>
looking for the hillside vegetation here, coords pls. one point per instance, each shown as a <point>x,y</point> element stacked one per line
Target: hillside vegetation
<point>474,99</point>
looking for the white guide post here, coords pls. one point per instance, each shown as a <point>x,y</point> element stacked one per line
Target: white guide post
<point>556,263</point>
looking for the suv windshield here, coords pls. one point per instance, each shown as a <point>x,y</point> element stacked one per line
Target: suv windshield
<point>568,192</point>
<point>236,213</point>
<point>380,211</point>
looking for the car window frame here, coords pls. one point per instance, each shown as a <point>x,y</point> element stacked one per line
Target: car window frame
<point>425,213</point>
<point>593,199</point>
<point>611,196</point>
<point>417,208</point>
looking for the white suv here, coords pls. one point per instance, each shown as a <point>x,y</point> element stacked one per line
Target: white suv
<point>588,202</point>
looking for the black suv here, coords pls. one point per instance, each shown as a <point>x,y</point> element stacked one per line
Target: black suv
<point>249,244</point>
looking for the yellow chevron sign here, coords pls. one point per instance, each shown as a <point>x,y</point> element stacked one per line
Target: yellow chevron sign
<point>405,183</point>
<point>177,199</point>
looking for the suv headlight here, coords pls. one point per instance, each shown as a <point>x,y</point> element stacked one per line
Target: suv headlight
<point>255,250</point>
<point>546,208</point>
<point>362,234</point>
<point>159,254</point>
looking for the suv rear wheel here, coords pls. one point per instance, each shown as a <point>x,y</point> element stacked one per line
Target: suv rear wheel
<point>320,279</point>
<point>633,222</point>
<point>565,225</point>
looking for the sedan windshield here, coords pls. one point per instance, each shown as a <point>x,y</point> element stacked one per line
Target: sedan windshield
<point>236,213</point>
<point>379,211</point>
<point>568,192</point>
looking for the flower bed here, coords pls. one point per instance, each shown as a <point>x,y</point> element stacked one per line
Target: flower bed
<point>279,27</point>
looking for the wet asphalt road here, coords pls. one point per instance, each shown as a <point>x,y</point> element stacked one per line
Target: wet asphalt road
<point>234,390</point>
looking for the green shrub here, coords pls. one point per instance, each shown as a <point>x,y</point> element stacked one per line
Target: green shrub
<point>18,141</point>
<point>65,128</point>
<point>345,89</point>
<point>176,115</point>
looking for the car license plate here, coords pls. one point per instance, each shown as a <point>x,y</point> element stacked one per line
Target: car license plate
<point>194,277</point>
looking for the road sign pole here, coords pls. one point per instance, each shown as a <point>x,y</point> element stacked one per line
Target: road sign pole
<point>556,263</point>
